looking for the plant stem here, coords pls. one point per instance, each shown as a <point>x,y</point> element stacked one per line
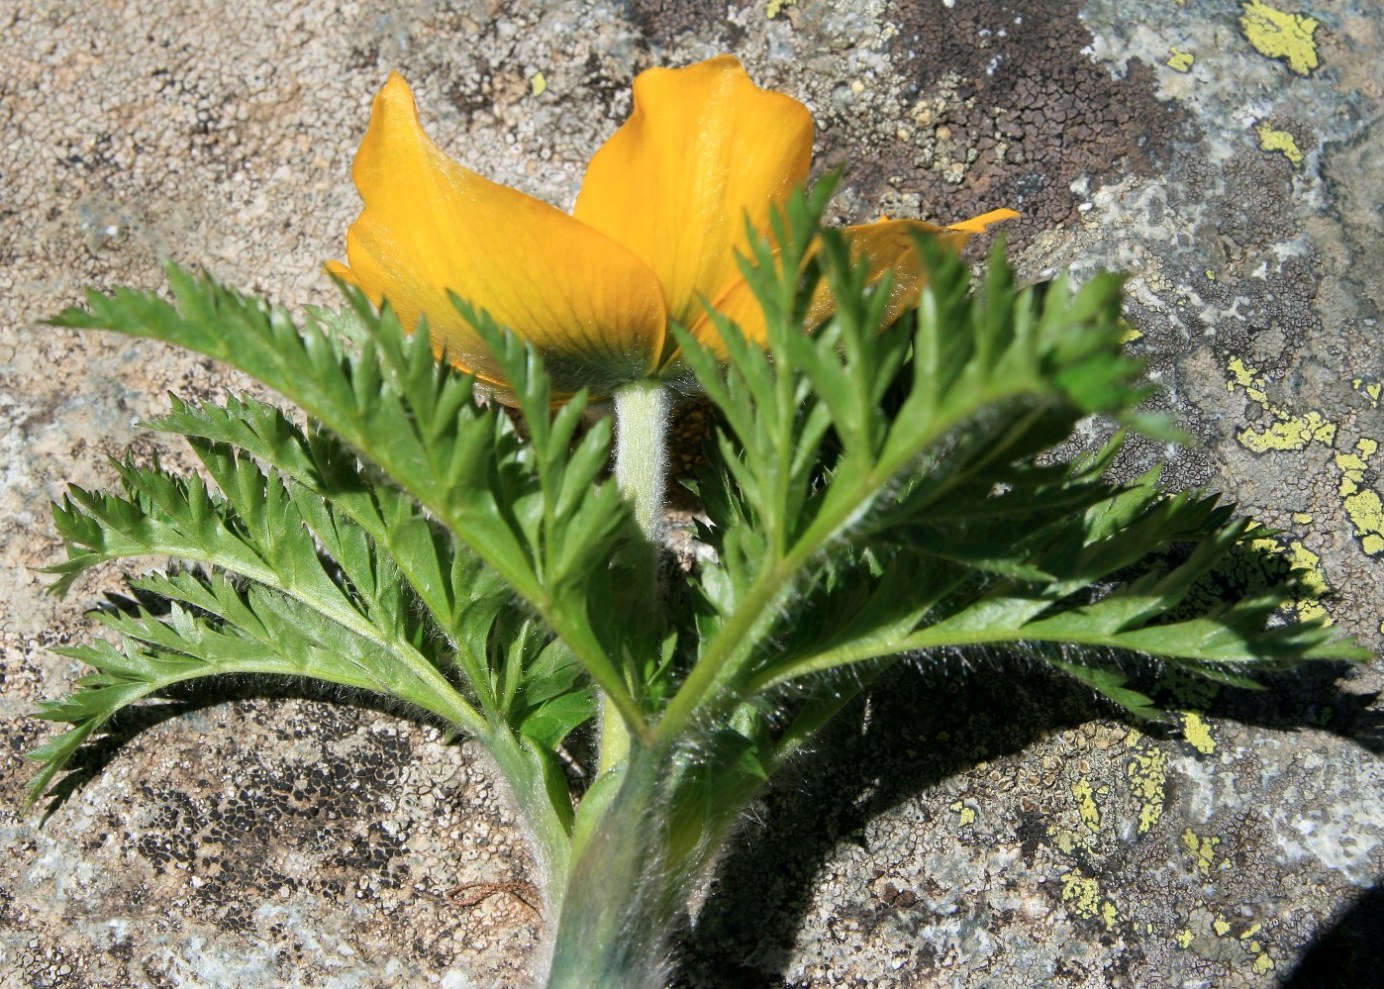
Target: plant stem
<point>641,467</point>
<point>621,903</point>
<point>641,452</point>
<point>619,900</point>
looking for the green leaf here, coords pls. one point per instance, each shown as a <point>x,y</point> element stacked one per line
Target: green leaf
<point>710,787</point>
<point>215,627</point>
<point>320,463</point>
<point>1111,684</point>
<point>872,492</point>
<point>529,512</point>
<point>836,436</point>
<point>882,490</point>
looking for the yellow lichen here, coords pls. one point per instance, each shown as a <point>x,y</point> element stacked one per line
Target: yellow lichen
<point>1108,914</point>
<point>1247,378</point>
<point>776,7</point>
<point>1204,849</point>
<point>1363,504</point>
<point>539,84</point>
<point>1180,61</point>
<point>1148,776</point>
<point>965,815</point>
<point>1314,587</point>
<point>1086,805</point>
<point>1197,732</point>
<point>1280,34</point>
<point>1302,518</point>
<point>1221,926</point>
<point>1263,964</point>
<point>1289,432</point>
<point>1272,139</point>
<point>1083,895</point>
<point>1065,840</point>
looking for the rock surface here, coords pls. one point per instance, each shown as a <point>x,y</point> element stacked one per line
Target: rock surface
<point>1227,155</point>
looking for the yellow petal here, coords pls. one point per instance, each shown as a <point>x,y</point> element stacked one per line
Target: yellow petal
<point>431,227</point>
<point>887,247</point>
<point>703,148</point>
<point>739,305</point>
<point>977,224</point>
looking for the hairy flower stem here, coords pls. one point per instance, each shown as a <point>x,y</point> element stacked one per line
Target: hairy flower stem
<point>641,468</point>
<point>641,453</point>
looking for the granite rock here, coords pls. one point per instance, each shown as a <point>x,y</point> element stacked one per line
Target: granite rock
<point>956,831</point>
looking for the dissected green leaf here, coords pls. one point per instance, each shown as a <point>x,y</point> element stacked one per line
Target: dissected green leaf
<point>885,490</point>
<point>531,513</point>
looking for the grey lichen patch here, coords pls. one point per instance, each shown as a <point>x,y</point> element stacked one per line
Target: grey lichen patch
<point>1346,171</point>
<point>667,22</point>
<point>1003,105</point>
<point>1248,251</point>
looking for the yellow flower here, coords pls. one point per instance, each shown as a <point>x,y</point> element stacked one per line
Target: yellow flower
<point>653,238</point>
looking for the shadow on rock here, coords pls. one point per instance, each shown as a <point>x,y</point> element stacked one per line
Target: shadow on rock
<point>914,732</point>
<point>1349,953</point>
<point>917,730</point>
<point>1316,695</point>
